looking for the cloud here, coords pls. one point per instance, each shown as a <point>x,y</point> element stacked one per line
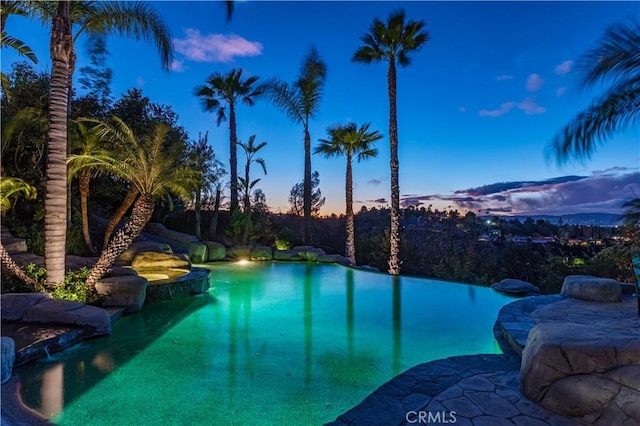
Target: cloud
<point>563,68</point>
<point>215,47</point>
<point>560,91</point>
<point>504,108</point>
<point>601,191</point>
<point>462,109</point>
<point>530,107</point>
<point>534,83</point>
<point>374,182</point>
<point>504,77</point>
<point>378,201</point>
<point>140,81</point>
<point>177,66</point>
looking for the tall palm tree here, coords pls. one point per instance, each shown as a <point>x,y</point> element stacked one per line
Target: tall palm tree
<point>88,150</point>
<point>392,42</point>
<point>301,101</point>
<point>250,150</point>
<point>615,59</point>
<point>226,91</point>
<point>9,189</point>
<point>152,170</point>
<point>350,141</point>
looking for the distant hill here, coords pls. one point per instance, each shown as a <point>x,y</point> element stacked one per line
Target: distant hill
<point>598,219</point>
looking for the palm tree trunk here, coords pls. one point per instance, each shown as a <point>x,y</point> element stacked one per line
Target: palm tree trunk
<point>198,215</point>
<point>233,157</point>
<point>213,227</point>
<point>83,182</point>
<point>12,267</point>
<point>247,205</point>
<point>394,235</point>
<point>55,221</point>
<point>350,249</point>
<point>307,186</point>
<point>142,212</point>
<point>115,219</point>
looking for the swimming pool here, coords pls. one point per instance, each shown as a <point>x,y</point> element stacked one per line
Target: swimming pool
<point>271,343</point>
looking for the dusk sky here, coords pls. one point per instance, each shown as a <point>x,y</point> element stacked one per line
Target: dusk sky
<point>476,107</point>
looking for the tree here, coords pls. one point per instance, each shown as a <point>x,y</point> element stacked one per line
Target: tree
<point>152,170</point>
<point>614,59</point>
<point>89,152</point>
<point>301,101</point>
<point>9,189</point>
<point>350,141</point>
<point>226,91</point>
<point>296,196</point>
<point>246,184</point>
<point>12,8</point>
<point>392,43</point>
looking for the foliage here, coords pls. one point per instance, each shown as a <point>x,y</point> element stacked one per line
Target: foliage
<point>296,196</point>
<point>282,242</point>
<point>96,78</point>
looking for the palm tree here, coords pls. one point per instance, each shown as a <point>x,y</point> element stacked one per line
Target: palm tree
<point>250,150</point>
<point>89,150</point>
<point>301,101</point>
<point>9,189</point>
<point>152,170</point>
<point>226,91</point>
<point>614,59</point>
<point>350,141</point>
<point>392,43</point>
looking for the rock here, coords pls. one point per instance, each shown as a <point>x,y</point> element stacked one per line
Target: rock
<point>308,253</point>
<point>368,268</point>
<point>14,245</point>
<point>94,320</point>
<point>513,286</point>
<point>142,246</point>
<point>583,371</point>
<point>333,258</point>
<point>215,251</point>
<point>198,252</point>
<point>286,255</point>
<point>262,253</point>
<point>8,357</point>
<point>128,291</point>
<point>161,231</point>
<point>628,288</point>
<point>596,289</point>
<point>195,282</point>
<point>303,248</point>
<point>76,262</point>
<point>15,305</point>
<point>239,252</point>
<point>118,271</point>
<point>160,260</point>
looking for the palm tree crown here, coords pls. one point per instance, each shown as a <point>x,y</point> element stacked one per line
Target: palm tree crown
<point>392,42</point>
<point>615,59</point>
<point>226,91</point>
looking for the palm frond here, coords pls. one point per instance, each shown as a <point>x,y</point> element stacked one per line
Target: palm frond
<point>19,46</point>
<point>286,98</point>
<point>12,187</point>
<point>263,164</point>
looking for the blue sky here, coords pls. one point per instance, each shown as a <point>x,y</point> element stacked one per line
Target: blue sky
<point>476,107</point>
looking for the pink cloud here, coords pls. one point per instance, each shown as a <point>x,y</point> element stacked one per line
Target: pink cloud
<point>504,77</point>
<point>534,83</point>
<point>563,68</point>
<point>504,108</point>
<point>530,107</point>
<point>177,66</point>
<point>560,91</point>
<point>215,47</point>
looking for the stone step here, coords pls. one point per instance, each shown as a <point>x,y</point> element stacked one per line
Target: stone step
<point>14,245</point>
<point>35,341</point>
<point>115,312</point>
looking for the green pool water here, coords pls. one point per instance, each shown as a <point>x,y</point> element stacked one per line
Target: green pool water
<point>270,343</point>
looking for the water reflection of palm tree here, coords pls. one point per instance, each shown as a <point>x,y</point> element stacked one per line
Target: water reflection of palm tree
<point>308,322</point>
<point>350,311</point>
<point>397,324</point>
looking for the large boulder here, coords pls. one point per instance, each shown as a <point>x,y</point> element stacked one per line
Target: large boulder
<point>198,252</point>
<point>142,246</point>
<point>160,260</point>
<point>215,251</point>
<point>15,305</point>
<point>239,252</point>
<point>128,291</point>
<point>333,258</point>
<point>588,372</point>
<point>516,287</point>
<point>94,320</point>
<point>262,253</point>
<point>596,289</point>
<point>309,253</point>
<point>8,357</point>
<point>286,255</point>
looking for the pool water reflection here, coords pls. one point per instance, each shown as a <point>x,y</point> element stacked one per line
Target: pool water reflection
<point>271,344</point>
